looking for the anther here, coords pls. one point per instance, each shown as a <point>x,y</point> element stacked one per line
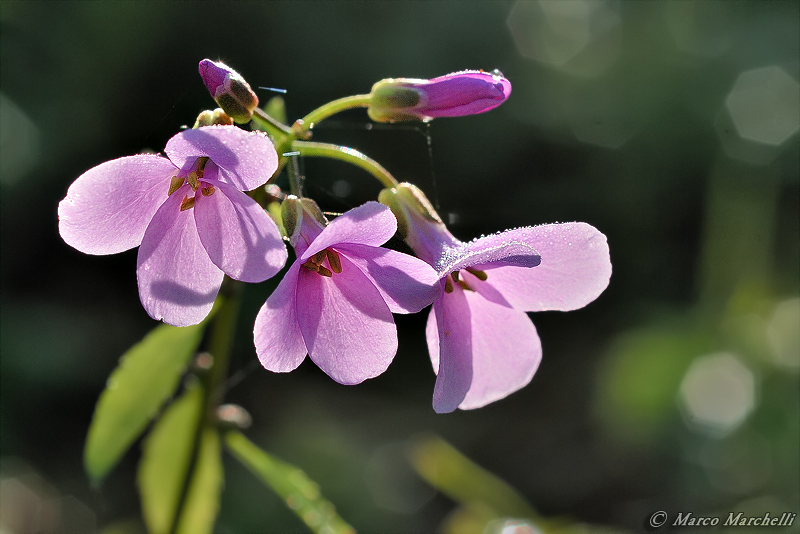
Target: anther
<point>208,190</point>
<point>481,275</point>
<point>201,165</point>
<point>192,179</point>
<point>448,285</point>
<point>334,260</point>
<point>455,276</point>
<point>318,257</point>
<point>187,203</point>
<point>324,272</point>
<point>311,266</point>
<point>174,184</point>
<point>464,285</point>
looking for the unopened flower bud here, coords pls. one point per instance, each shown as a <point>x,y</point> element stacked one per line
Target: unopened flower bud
<point>229,89</point>
<point>302,220</point>
<point>461,93</point>
<point>209,118</point>
<point>417,221</point>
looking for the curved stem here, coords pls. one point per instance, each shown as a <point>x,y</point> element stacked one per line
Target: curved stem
<point>349,155</point>
<point>331,108</point>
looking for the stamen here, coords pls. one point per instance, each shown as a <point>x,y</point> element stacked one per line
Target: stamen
<point>334,260</point>
<point>318,257</point>
<point>208,190</point>
<point>448,285</point>
<point>174,184</point>
<point>455,276</point>
<point>192,179</point>
<point>324,272</point>
<point>311,266</point>
<point>481,275</point>
<point>464,285</point>
<point>201,165</point>
<point>187,203</point>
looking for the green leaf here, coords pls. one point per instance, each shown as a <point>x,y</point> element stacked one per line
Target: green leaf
<point>301,494</point>
<point>458,477</point>
<point>166,455</point>
<point>146,376</point>
<point>202,501</point>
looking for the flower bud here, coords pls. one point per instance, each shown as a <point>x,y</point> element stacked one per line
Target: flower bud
<point>229,89</point>
<point>209,118</point>
<point>302,220</point>
<point>461,93</point>
<point>417,222</point>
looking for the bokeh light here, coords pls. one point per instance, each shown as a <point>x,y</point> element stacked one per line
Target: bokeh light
<point>765,105</point>
<point>717,393</point>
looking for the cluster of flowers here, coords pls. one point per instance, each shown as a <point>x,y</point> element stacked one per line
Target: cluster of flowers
<point>193,223</point>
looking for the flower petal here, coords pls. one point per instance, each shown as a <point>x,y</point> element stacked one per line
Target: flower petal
<point>406,283</point>
<point>279,343</point>
<point>346,325</point>
<point>369,224</point>
<point>108,208</point>
<point>503,348</point>
<point>449,334</point>
<point>505,248</point>
<point>239,236</point>
<point>246,159</point>
<point>575,269</point>
<point>464,93</point>
<point>177,281</point>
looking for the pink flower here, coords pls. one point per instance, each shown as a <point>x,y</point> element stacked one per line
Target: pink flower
<point>336,301</point>
<point>482,344</point>
<point>461,93</point>
<point>187,214</point>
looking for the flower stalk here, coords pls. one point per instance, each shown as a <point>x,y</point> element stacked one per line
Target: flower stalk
<point>348,155</point>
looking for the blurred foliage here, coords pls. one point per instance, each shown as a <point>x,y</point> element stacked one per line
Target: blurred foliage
<point>301,494</point>
<point>146,377</point>
<point>632,116</point>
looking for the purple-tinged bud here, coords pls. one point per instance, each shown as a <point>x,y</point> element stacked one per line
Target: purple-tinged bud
<point>417,222</point>
<point>461,93</point>
<point>229,89</point>
<point>303,221</point>
<point>209,118</point>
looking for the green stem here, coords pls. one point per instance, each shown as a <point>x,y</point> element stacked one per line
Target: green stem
<point>273,127</point>
<point>349,155</point>
<point>219,346</point>
<point>332,108</point>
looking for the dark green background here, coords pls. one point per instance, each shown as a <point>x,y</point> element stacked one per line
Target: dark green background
<point>703,240</point>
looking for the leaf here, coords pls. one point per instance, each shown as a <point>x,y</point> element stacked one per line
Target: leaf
<point>202,501</point>
<point>291,484</point>
<point>146,376</point>
<point>455,475</point>
<point>166,455</point>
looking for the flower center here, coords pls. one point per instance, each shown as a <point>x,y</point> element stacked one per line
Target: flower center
<point>454,278</point>
<point>194,180</point>
<point>315,263</point>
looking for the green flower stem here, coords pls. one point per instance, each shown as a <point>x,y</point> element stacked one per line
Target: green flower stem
<point>349,155</point>
<point>332,108</point>
<point>219,346</point>
<point>267,124</point>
